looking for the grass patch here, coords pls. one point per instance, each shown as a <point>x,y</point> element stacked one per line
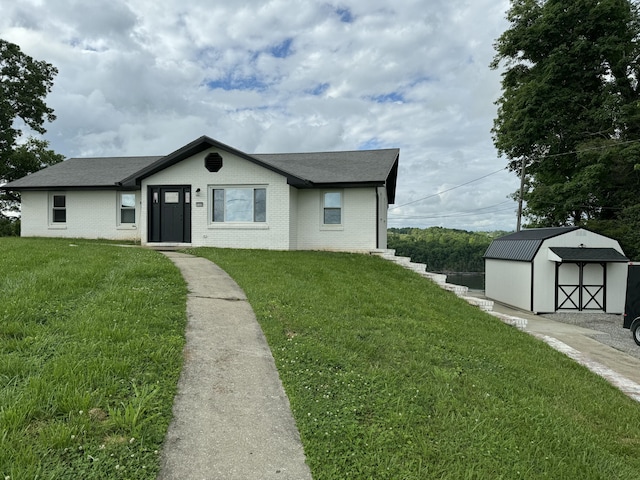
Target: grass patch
<point>91,339</point>
<point>390,377</point>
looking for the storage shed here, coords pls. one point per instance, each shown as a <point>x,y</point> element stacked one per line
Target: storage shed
<point>545,270</point>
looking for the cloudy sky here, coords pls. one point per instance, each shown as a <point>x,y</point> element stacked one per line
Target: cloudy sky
<point>145,77</point>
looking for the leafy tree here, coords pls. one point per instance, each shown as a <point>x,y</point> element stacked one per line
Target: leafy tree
<point>30,157</point>
<point>24,83</point>
<point>570,108</point>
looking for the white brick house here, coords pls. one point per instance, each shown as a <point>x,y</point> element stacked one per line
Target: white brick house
<point>209,194</point>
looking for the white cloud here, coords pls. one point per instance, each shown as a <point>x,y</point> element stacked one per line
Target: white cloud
<point>146,77</point>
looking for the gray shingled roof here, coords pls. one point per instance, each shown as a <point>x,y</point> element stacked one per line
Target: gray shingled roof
<point>522,246</point>
<point>576,254</point>
<point>304,170</point>
<point>335,167</point>
<point>83,173</point>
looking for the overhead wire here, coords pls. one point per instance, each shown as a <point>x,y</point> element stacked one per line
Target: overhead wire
<point>449,189</point>
<point>475,211</point>
<point>446,215</point>
<point>553,155</point>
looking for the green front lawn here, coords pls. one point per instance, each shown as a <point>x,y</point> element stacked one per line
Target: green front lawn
<point>390,377</point>
<point>91,340</point>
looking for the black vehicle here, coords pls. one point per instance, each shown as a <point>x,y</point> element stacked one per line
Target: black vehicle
<point>632,302</point>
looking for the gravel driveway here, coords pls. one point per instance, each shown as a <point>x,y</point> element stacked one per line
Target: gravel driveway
<point>607,329</point>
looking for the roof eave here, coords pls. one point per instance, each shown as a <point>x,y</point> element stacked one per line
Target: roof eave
<point>309,184</point>
<point>392,180</point>
<point>197,146</point>
<point>113,186</point>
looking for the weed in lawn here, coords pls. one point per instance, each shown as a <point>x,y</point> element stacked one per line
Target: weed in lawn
<point>135,413</point>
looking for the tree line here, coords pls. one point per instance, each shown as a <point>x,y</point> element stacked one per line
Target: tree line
<point>443,249</point>
<point>568,120</point>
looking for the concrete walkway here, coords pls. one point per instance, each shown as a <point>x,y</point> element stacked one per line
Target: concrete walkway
<point>619,368</point>
<point>231,416</point>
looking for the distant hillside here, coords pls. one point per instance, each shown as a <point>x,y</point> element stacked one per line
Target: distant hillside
<point>443,249</point>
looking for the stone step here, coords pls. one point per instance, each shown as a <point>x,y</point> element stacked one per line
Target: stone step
<point>517,322</point>
<point>404,261</point>
<point>485,305</point>
<point>439,278</point>
<point>384,252</point>
<point>459,290</point>
<point>418,267</point>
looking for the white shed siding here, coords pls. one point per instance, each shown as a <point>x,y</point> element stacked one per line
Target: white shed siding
<point>545,270</point>
<point>237,172</point>
<point>509,282</point>
<point>544,281</point>
<point>359,222</point>
<point>90,214</point>
<point>616,287</point>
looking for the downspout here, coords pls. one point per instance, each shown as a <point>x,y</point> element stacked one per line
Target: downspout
<point>377,219</point>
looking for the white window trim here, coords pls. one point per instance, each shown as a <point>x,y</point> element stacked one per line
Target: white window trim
<point>119,224</point>
<point>236,225</point>
<point>57,225</point>
<point>332,226</point>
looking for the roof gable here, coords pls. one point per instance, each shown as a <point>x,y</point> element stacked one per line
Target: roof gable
<point>538,233</point>
<point>197,146</point>
<point>523,246</point>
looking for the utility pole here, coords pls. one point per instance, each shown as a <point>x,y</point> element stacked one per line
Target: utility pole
<point>522,172</point>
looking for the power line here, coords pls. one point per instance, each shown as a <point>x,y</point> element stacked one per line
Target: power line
<point>449,189</point>
<point>448,215</point>
<point>553,155</point>
<point>475,211</point>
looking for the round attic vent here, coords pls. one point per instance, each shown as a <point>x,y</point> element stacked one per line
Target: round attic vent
<point>213,162</point>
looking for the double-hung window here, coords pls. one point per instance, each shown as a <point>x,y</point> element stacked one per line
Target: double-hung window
<point>332,208</point>
<point>239,204</point>
<point>127,208</point>
<point>58,208</point>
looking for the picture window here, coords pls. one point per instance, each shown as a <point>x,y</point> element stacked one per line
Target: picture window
<point>239,204</point>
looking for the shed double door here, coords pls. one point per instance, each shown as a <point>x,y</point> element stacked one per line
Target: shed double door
<point>581,286</point>
<point>170,213</point>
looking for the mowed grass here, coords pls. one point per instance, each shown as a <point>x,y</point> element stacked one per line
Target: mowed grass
<point>91,339</point>
<point>390,377</point>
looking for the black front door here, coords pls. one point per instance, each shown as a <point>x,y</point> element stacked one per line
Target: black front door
<point>170,214</point>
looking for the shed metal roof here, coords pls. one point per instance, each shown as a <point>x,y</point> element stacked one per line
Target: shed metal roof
<point>577,254</point>
<point>522,246</point>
